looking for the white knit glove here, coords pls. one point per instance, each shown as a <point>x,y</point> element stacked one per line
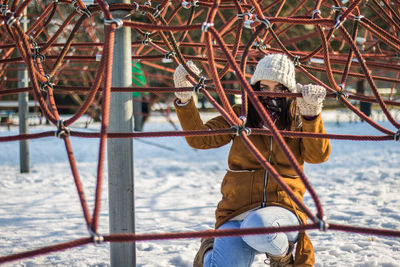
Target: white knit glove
<point>313,96</point>
<point>181,81</point>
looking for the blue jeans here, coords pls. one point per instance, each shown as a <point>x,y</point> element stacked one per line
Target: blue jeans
<point>240,251</point>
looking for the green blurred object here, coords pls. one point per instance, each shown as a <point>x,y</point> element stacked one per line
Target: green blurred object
<point>138,78</point>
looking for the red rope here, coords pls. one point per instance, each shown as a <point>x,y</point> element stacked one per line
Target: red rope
<point>198,234</point>
<point>104,122</point>
<point>219,55</point>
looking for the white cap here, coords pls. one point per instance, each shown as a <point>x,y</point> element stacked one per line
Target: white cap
<point>278,68</point>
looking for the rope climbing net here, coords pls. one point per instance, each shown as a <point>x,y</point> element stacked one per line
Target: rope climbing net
<point>333,44</point>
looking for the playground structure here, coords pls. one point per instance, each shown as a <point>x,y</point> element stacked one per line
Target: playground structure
<point>334,44</point>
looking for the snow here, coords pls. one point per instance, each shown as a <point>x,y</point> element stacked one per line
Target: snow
<point>177,189</point>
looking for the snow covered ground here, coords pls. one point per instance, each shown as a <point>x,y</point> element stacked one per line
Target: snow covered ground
<point>177,189</point>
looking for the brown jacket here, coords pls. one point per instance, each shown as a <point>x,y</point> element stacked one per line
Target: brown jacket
<point>243,185</point>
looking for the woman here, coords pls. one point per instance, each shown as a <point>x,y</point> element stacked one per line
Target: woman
<point>250,196</point>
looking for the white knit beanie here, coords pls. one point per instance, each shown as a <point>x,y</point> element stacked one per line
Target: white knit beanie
<point>278,68</point>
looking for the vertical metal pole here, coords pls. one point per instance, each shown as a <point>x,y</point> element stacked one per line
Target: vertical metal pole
<point>23,110</point>
<point>120,151</point>
<point>137,111</point>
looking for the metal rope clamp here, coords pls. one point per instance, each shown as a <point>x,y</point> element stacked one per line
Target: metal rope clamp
<point>62,131</point>
<point>157,11</point>
<point>338,22</point>
<point>205,26</point>
<point>4,10</point>
<point>396,136</point>
<point>358,18</point>
<point>315,12</point>
<point>31,40</point>
<point>242,128</point>
<point>323,225</point>
<point>241,16</point>
<point>136,6</point>
<point>296,61</point>
<point>146,39</point>
<point>3,7</point>
<point>266,22</point>
<point>36,52</point>
<point>118,22</point>
<point>167,57</point>
<point>247,24</point>
<point>200,85</point>
<point>96,237</point>
<point>341,92</point>
<point>188,5</point>
<point>12,19</point>
<point>81,11</point>
<point>338,8</point>
<point>46,84</point>
<point>261,45</point>
<point>146,4</point>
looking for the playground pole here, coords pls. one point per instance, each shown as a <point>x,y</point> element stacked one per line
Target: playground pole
<point>120,151</point>
<point>23,109</point>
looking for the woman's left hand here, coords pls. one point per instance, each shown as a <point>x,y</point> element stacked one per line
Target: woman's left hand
<point>312,101</point>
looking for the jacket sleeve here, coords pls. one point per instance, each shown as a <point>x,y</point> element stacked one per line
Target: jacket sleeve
<point>314,150</point>
<point>189,118</point>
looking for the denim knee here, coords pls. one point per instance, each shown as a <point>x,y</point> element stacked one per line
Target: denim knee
<point>272,216</point>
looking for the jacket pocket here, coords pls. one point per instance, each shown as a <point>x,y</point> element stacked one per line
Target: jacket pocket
<point>290,176</point>
<point>229,170</point>
<point>298,188</point>
<point>236,189</point>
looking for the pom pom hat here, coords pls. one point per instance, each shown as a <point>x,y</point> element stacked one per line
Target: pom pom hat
<point>278,68</point>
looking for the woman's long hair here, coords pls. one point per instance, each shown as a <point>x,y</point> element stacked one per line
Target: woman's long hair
<point>283,119</point>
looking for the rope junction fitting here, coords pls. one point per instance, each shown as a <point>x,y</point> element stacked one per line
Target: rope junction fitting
<point>385,37</point>
<point>62,131</point>
<point>36,52</point>
<point>97,238</point>
<point>241,128</point>
<point>315,12</point>
<point>247,24</point>
<point>136,6</point>
<point>266,22</point>
<point>323,225</point>
<point>339,8</point>
<point>118,22</point>
<point>261,45</point>
<point>167,57</point>
<point>146,38</point>
<point>205,26</point>
<point>48,83</point>
<point>80,10</point>
<point>3,7</point>
<point>200,85</point>
<point>358,18</point>
<point>188,5</point>
<point>157,11</point>
<point>12,19</point>
<point>241,16</point>
<point>396,136</point>
<point>338,22</point>
<point>296,61</point>
<point>341,92</point>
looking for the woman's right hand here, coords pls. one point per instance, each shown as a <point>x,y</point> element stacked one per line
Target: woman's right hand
<point>181,81</point>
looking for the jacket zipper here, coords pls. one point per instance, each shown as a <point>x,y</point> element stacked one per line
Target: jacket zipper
<point>264,203</point>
